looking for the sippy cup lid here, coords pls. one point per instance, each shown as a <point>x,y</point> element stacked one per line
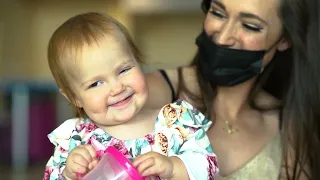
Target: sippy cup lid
<point>124,162</point>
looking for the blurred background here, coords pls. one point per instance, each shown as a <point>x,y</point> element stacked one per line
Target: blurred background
<point>30,105</point>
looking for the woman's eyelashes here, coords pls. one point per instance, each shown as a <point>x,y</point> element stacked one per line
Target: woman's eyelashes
<point>247,26</point>
<point>217,14</point>
<point>252,27</point>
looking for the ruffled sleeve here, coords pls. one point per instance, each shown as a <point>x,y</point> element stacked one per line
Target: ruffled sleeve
<point>61,137</point>
<point>183,131</point>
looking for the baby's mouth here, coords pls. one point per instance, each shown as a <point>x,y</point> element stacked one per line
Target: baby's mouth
<point>121,102</point>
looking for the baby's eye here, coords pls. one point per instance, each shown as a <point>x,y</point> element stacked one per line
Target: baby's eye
<point>125,70</point>
<point>95,84</point>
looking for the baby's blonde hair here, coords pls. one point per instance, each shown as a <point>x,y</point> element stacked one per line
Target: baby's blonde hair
<point>82,30</point>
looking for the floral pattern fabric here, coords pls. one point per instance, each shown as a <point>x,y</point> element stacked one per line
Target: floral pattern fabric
<point>180,130</point>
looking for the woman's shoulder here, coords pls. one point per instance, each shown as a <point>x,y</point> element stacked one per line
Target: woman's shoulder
<point>187,72</point>
<point>272,114</point>
<point>266,100</point>
<point>160,92</point>
<point>159,89</point>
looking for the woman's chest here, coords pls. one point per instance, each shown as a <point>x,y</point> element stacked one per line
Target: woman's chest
<point>237,150</point>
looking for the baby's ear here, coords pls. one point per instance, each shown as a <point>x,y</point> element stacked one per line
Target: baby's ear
<point>64,94</point>
<point>76,101</point>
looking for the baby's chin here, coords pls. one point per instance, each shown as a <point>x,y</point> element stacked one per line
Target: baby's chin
<point>109,122</point>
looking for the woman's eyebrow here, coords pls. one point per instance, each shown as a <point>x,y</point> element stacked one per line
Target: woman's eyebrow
<point>242,14</point>
<point>253,16</point>
<point>220,4</point>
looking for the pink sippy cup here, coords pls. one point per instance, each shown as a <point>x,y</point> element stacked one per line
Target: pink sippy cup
<point>113,166</point>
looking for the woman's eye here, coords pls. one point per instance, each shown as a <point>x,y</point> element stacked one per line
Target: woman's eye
<point>95,84</point>
<point>125,70</point>
<point>217,14</point>
<point>252,27</point>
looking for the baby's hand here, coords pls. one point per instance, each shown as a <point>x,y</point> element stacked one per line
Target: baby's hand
<point>80,160</point>
<point>153,163</point>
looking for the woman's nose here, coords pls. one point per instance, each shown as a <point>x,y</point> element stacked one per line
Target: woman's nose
<point>226,35</point>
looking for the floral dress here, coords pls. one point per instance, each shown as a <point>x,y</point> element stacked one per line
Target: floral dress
<point>180,130</point>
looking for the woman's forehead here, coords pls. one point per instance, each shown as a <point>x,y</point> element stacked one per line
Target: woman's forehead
<point>263,8</point>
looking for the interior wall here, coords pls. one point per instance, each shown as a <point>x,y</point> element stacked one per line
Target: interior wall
<point>15,40</point>
<point>167,40</point>
<point>49,15</point>
<point>29,25</point>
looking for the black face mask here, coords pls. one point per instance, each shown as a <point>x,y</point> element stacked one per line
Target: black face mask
<point>227,67</point>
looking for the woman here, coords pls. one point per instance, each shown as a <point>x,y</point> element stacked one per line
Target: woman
<point>243,44</point>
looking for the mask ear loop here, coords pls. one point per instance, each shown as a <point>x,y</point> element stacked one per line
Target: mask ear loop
<point>275,44</point>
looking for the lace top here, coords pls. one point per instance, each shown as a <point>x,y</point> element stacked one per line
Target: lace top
<point>265,166</point>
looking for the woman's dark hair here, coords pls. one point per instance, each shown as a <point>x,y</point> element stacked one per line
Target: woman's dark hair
<point>301,113</point>
<point>292,76</point>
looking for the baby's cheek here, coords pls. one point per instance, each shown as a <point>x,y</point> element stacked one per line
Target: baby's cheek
<point>141,83</point>
<point>136,81</point>
<point>96,104</point>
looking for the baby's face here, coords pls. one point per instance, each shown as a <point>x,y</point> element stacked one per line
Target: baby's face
<point>108,83</point>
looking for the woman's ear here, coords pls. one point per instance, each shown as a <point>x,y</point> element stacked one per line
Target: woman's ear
<point>283,45</point>
<point>76,101</point>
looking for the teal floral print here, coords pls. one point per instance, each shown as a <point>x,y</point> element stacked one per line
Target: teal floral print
<point>180,130</point>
